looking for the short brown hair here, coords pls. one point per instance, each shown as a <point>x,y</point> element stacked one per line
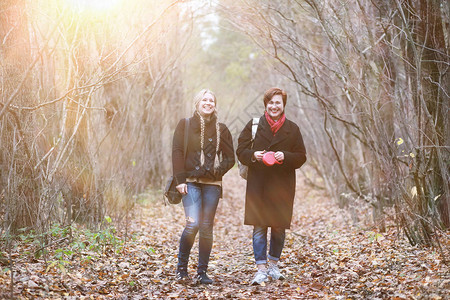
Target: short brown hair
<point>268,95</point>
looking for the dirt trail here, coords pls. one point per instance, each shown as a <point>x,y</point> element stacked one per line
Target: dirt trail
<point>325,256</point>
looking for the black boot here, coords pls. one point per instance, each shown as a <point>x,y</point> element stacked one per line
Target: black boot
<point>182,275</point>
<point>202,278</point>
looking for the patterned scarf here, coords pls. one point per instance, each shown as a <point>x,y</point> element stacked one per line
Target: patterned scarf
<point>275,125</point>
<point>202,139</point>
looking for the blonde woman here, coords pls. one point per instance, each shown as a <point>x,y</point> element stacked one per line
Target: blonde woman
<point>198,177</point>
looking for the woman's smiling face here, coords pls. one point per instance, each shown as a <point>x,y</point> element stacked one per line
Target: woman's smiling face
<point>275,107</point>
<point>207,105</point>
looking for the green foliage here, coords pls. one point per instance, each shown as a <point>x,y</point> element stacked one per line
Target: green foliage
<point>60,264</point>
<point>25,235</point>
<point>86,259</point>
<point>60,232</point>
<point>374,236</point>
<point>100,240</point>
<point>87,245</point>
<point>65,245</point>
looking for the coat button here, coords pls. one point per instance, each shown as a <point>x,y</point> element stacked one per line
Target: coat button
<point>207,168</point>
<point>197,167</point>
<point>210,139</point>
<point>209,154</point>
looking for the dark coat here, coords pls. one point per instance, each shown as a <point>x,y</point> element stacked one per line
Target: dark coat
<point>191,167</point>
<point>270,190</point>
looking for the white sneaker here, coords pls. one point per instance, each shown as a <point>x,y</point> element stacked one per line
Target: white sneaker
<point>260,277</point>
<point>275,273</point>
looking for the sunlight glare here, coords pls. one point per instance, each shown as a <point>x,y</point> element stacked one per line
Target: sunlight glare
<point>93,5</point>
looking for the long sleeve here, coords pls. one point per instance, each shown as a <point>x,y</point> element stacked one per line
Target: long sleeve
<point>297,156</point>
<point>227,150</point>
<point>244,151</point>
<point>178,157</point>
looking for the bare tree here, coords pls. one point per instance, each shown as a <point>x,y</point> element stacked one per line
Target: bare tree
<point>84,94</point>
<point>373,75</point>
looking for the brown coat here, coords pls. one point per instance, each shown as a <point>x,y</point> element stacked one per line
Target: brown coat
<point>270,190</point>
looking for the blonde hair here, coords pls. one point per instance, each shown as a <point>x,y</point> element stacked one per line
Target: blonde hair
<point>197,100</point>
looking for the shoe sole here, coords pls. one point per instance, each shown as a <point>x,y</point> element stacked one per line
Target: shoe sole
<point>256,283</point>
<point>198,281</point>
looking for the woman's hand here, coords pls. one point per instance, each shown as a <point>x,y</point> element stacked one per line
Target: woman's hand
<point>182,188</point>
<point>258,155</point>
<point>279,156</point>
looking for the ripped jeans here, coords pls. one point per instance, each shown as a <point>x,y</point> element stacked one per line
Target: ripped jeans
<point>200,204</point>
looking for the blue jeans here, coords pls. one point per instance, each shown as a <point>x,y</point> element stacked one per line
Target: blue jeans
<point>200,204</point>
<point>277,236</point>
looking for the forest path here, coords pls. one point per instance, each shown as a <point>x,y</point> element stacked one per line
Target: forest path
<point>325,256</point>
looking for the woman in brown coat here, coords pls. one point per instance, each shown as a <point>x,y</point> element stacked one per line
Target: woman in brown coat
<point>272,157</point>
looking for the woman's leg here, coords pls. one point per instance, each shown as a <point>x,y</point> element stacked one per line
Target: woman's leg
<point>260,245</point>
<point>210,200</point>
<point>260,252</point>
<point>192,205</point>
<point>277,236</point>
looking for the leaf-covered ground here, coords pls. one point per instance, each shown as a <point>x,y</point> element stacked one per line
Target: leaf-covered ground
<point>325,256</point>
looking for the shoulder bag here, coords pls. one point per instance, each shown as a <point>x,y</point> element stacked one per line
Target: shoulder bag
<point>171,193</point>
<point>243,169</point>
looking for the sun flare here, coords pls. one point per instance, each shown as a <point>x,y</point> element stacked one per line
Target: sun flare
<point>93,5</point>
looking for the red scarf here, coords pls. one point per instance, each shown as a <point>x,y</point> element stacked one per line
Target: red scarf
<point>275,125</point>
